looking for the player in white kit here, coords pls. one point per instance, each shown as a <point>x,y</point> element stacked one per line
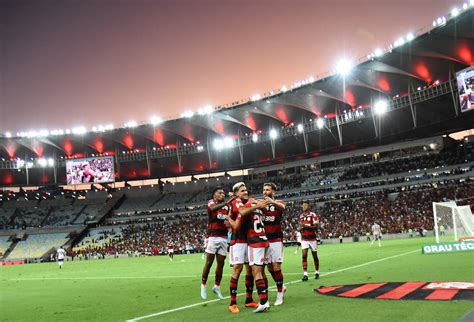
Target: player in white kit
<point>377,232</point>
<point>60,255</point>
<point>298,242</point>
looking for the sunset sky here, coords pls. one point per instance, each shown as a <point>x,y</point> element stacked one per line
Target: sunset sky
<point>71,63</point>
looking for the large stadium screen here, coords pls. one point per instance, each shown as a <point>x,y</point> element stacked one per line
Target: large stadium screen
<point>91,170</point>
<point>465,80</point>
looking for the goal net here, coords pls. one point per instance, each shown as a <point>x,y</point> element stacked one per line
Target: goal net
<point>452,222</point>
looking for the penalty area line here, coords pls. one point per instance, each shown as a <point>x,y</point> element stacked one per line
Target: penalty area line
<point>292,282</point>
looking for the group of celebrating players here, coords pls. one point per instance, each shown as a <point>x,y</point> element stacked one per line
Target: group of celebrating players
<point>256,242</point>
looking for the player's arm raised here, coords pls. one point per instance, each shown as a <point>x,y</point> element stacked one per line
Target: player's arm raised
<point>278,204</point>
<point>222,204</point>
<point>245,211</point>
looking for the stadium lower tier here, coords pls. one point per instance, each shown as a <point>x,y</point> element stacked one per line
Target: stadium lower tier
<point>405,211</point>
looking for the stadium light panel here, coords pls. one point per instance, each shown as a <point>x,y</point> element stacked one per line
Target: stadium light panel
<point>187,114</point>
<point>454,12</point>
<point>228,142</point>
<point>8,134</point>
<point>79,130</point>
<point>300,128</point>
<point>255,137</point>
<point>42,162</point>
<point>208,109</point>
<point>218,144</point>
<point>284,89</point>
<point>410,36</point>
<point>320,123</point>
<point>255,97</point>
<point>155,120</point>
<point>273,134</point>
<point>131,124</point>
<point>51,162</point>
<point>380,107</point>
<point>378,52</point>
<point>344,67</point>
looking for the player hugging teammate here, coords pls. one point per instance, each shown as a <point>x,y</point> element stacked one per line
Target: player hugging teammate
<point>258,223</point>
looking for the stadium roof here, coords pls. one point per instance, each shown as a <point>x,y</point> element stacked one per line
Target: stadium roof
<point>414,78</point>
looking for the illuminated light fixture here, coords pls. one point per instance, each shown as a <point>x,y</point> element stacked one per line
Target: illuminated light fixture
<point>255,137</point>
<point>320,123</point>
<point>130,124</point>
<point>155,120</point>
<point>8,135</point>
<point>20,163</point>
<point>51,162</point>
<point>464,6</point>
<point>410,36</point>
<point>109,127</point>
<point>218,144</point>
<point>187,114</point>
<point>29,164</point>
<point>255,97</point>
<point>311,79</point>
<point>273,134</point>
<point>399,42</point>
<point>42,162</point>
<point>378,52</point>
<point>200,148</point>
<point>284,89</point>
<point>43,133</point>
<point>208,109</point>
<point>228,142</point>
<point>79,130</point>
<point>380,107</point>
<point>454,12</point>
<point>300,128</point>
<point>343,67</point>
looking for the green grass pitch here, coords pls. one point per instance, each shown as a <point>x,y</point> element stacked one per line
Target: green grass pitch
<point>122,289</point>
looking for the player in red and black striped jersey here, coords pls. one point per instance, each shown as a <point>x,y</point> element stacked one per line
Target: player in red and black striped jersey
<point>250,217</point>
<point>238,251</point>
<point>309,222</point>
<point>272,216</point>
<point>216,247</point>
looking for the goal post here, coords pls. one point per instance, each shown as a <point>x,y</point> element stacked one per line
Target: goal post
<point>451,221</point>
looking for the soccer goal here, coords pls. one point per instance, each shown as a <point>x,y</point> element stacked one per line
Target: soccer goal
<point>451,221</point>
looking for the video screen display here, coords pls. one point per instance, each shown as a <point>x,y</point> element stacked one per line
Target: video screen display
<point>465,80</point>
<point>91,170</point>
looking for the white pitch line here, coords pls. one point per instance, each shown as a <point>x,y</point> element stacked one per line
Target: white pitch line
<point>101,277</point>
<point>292,282</point>
<point>115,277</point>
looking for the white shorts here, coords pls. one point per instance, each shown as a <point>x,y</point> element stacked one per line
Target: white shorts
<point>170,251</point>
<point>258,255</point>
<point>217,245</point>
<point>238,254</point>
<point>377,236</point>
<point>305,244</point>
<point>275,252</point>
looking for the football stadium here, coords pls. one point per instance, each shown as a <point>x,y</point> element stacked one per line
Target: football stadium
<point>344,196</point>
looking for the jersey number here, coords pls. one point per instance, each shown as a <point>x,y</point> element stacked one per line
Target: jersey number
<point>257,224</point>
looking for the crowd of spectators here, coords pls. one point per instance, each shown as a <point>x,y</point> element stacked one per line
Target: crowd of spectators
<point>354,215</point>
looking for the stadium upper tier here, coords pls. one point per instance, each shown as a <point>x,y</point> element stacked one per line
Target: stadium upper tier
<point>406,91</point>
